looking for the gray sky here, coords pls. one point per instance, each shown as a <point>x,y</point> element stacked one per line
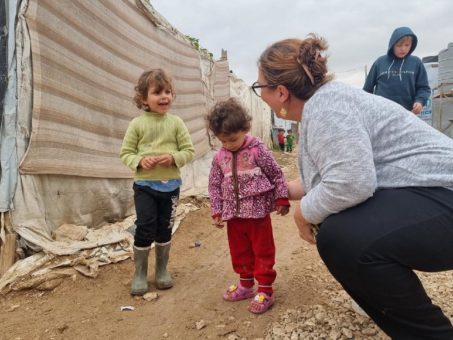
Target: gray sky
<point>357,31</point>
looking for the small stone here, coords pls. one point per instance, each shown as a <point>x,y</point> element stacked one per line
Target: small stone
<point>62,328</point>
<point>233,337</point>
<point>200,324</point>
<point>319,317</point>
<point>294,336</point>
<point>12,308</point>
<point>347,333</point>
<point>369,331</point>
<point>196,244</point>
<point>278,331</point>
<point>334,334</point>
<point>150,296</point>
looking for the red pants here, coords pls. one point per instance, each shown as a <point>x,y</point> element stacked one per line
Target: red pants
<point>252,251</point>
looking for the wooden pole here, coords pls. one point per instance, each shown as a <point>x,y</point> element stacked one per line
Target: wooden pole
<point>7,244</point>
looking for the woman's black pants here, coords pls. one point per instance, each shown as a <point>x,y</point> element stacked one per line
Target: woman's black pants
<point>372,249</point>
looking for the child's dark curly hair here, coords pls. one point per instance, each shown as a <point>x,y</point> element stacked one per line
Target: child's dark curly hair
<point>157,78</point>
<point>228,117</point>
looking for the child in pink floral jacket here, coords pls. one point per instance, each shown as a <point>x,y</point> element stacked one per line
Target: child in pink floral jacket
<point>245,186</point>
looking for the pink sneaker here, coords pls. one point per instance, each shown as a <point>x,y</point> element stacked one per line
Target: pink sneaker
<point>261,303</point>
<point>238,293</point>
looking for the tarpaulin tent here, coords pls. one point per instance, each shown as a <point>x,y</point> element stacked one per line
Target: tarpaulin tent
<point>71,68</point>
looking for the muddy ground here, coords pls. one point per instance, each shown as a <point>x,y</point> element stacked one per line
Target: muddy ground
<point>193,309</point>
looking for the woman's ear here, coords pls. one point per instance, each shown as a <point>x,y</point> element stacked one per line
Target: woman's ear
<point>282,93</point>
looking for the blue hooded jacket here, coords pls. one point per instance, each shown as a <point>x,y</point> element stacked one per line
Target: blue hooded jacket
<point>403,80</point>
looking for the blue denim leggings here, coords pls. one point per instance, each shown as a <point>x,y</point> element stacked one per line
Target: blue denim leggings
<point>372,249</point>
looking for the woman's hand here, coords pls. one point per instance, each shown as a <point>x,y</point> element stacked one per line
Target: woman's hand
<point>305,228</point>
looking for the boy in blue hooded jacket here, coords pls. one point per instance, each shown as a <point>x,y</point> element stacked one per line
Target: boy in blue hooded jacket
<point>398,75</point>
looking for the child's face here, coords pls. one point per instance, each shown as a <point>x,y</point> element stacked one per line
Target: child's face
<point>159,102</point>
<point>232,141</point>
<point>402,47</point>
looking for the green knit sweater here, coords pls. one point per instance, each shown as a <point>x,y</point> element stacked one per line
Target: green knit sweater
<point>153,134</point>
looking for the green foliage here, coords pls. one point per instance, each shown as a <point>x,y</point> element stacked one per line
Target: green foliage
<point>196,44</point>
<point>194,41</point>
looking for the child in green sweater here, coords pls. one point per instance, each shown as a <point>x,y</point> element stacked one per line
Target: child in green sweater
<point>155,146</point>
<point>289,141</point>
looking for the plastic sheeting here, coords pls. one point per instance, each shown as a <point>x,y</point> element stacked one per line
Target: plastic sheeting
<point>260,111</point>
<point>110,244</point>
<point>8,153</point>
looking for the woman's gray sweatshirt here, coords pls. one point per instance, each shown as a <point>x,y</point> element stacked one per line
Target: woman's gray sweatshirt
<point>352,142</point>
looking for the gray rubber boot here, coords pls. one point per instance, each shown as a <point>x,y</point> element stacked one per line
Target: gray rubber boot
<point>140,281</point>
<point>163,277</point>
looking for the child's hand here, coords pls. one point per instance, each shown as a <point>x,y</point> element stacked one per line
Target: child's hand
<point>282,210</point>
<point>417,108</point>
<point>148,163</point>
<point>165,160</point>
<point>218,222</point>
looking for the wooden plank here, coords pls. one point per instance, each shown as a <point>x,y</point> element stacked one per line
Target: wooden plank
<point>7,253</point>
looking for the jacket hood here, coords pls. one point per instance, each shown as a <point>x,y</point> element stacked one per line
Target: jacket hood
<point>250,141</point>
<point>397,35</point>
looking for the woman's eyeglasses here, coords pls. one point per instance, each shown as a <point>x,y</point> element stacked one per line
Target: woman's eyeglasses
<point>256,87</point>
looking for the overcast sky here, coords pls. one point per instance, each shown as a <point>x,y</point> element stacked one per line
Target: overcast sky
<point>357,31</point>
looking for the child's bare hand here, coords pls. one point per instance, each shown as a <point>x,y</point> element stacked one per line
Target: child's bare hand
<point>282,210</point>
<point>218,222</point>
<point>148,163</point>
<point>417,108</point>
<point>165,160</point>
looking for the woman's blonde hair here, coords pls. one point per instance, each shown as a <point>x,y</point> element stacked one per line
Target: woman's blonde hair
<point>297,64</point>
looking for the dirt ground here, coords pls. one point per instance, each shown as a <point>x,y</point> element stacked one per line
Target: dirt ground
<point>193,309</point>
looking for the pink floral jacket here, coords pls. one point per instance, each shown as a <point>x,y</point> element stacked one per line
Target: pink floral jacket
<point>246,183</point>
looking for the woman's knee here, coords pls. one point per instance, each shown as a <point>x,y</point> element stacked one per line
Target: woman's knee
<point>328,241</point>
<point>339,241</point>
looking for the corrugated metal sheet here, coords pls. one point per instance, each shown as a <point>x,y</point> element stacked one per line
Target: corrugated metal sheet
<point>446,65</point>
<point>87,56</point>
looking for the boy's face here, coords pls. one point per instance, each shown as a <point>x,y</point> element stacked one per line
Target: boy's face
<point>402,47</point>
<point>159,102</point>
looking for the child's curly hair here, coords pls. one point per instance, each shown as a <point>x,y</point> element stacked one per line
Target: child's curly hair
<point>228,117</point>
<point>155,77</point>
